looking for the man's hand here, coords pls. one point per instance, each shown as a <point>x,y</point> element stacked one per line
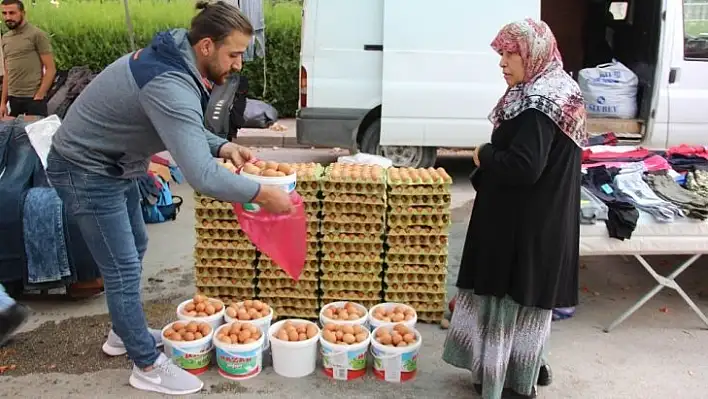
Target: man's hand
<point>39,97</point>
<point>235,153</point>
<point>3,111</point>
<point>274,200</point>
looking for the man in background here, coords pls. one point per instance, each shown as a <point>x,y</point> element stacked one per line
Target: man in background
<point>29,64</point>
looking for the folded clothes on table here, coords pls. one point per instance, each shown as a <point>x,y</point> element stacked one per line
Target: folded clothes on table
<point>666,187</point>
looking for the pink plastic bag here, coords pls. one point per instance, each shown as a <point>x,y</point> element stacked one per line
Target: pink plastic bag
<point>282,237</point>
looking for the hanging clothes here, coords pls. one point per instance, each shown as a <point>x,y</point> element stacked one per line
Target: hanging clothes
<point>253,9</point>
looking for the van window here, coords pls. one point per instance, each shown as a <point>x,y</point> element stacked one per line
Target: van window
<point>695,30</point>
<point>619,9</point>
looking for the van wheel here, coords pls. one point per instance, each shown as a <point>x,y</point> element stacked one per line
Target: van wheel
<point>402,156</point>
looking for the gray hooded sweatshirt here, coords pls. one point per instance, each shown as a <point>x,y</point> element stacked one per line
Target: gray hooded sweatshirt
<point>143,103</point>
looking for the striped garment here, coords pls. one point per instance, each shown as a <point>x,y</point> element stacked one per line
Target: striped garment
<point>499,341</point>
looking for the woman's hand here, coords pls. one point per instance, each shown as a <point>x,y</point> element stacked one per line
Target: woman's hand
<point>475,154</point>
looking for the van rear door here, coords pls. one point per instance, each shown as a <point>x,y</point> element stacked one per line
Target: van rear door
<point>440,77</point>
<point>688,86</point>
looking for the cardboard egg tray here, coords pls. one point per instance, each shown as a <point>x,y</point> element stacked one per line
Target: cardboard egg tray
<point>225,282</point>
<point>225,263</point>
<point>236,292</point>
<point>230,254</point>
<point>307,275</point>
<point>417,250</point>
<point>212,214</point>
<point>274,283</point>
<point>426,306</point>
<point>419,210</point>
<point>425,297</point>
<point>352,218</point>
<point>355,247</point>
<point>431,317</point>
<point>351,207</point>
<point>264,264</point>
<point>216,224</point>
<point>233,234</point>
<point>351,198</point>
<point>436,220</point>
<point>439,200</point>
<point>427,279</point>
<point>226,272</point>
<point>422,240</point>
<point>289,312</point>
<point>333,268</point>
<point>418,230</point>
<point>352,227</point>
<point>362,297</point>
<point>359,285</point>
<point>351,257</point>
<point>417,270</point>
<point>208,243</point>
<point>428,288</point>
<point>269,293</point>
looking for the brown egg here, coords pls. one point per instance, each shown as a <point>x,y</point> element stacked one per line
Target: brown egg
<point>209,309</point>
<point>205,329</point>
<point>218,306</point>
<point>200,307</point>
<point>410,338</point>
<point>260,164</point>
<point>328,313</point>
<point>396,338</point>
<point>302,336</point>
<point>347,329</point>
<point>283,335</point>
<point>251,169</point>
<point>385,339</point>
<point>250,341</point>
<point>231,312</point>
<point>361,337</point>
<point>293,335</point>
<point>311,331</point>
<point>189,307</point>
<point>271,165</point>
<point>244,335</point>
<point>270,173</point>
<point>235,328</point>
<point>398,317</point>
<point>329,336</point>
<point>176,337</point>
<point>198,298</point>
<point>225,339</point>
<point>402,343</point>
<point>349,339</point>
<point>198,335</point>
<point>188,336</point>
<point>192,327</point>
<point>178,326</point>
<point>169,332</point>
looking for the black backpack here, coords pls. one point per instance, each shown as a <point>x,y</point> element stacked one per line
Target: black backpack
<point>227,103</point>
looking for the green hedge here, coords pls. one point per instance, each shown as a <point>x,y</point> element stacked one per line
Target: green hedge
<point>94,34</point>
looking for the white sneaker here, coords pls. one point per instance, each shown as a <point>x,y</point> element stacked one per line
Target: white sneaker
<point>114,345</point>
<point>165,377</point>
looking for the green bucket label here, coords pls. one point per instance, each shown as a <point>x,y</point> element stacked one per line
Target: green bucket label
<point>189,360</point>
<point>251,207</point>
<point>239,364</point>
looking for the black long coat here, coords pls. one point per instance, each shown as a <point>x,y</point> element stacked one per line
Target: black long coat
<point>524,234</point>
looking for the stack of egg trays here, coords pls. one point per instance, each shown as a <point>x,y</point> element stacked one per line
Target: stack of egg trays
<point>353,228</point>
<point>289,298</point>
<point>224,257</point>
<point>418,223</point>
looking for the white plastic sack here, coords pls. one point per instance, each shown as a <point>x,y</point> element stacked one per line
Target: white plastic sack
<point>40,134</point>
<point>610,90</point>
<point>366,159</point>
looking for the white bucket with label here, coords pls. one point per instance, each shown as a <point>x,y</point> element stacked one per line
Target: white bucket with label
<point>287,183</point>
<point>215,320</point>
<point>344,362</point>
<point>374,322</point>
<point>239,362</point>
<point>293,359</point>
<point>192,356</point>
<point>263,324</point>
<point>392,363</point>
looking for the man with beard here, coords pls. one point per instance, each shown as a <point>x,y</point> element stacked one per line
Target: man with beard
<point>29,65</point>
<point>143,103</point>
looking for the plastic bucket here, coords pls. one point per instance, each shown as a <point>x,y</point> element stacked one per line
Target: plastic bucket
<point>395,364</point>
<point>215,320</point>
<point>390,305</point>
<point>287,183</point>
<point>239,362</point>
<point>192,356</point>
<point>363,321</point>
<point>344,362</point>
<point>293,359</point>
<point>263,324</point>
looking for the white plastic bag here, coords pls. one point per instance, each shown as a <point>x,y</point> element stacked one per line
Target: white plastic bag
<point>366,159</point>
<point>40,134</point>
<point>610,90</point>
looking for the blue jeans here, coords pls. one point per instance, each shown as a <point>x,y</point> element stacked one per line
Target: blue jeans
<point>6,301</point>
<point>107,211</point>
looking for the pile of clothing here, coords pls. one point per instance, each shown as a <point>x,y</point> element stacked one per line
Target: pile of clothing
<point>618,182</point>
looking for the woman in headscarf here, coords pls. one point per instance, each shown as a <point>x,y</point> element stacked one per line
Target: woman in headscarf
<point>522,243</point>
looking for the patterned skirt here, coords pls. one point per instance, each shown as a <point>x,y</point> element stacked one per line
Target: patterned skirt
<point>499,341</point>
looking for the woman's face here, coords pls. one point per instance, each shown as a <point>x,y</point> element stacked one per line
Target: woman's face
<point>512,66</point>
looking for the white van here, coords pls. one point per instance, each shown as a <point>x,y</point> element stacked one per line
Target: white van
<point>402,78</point>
